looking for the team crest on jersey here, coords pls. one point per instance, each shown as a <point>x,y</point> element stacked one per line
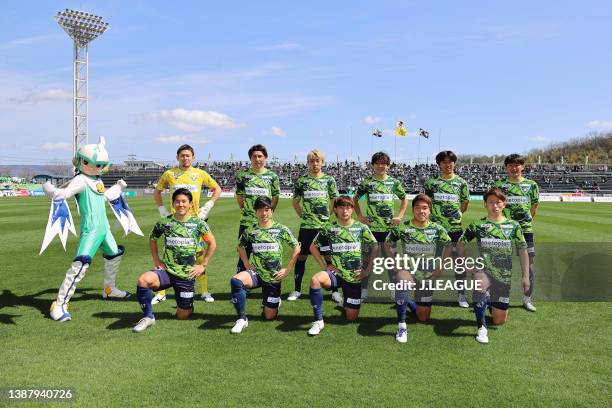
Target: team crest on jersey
<point>525,187</point>
<point>194,177</point>
<point>430,233</point>
<point>507,230</point>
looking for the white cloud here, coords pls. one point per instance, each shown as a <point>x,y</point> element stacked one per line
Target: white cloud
<point>538,138</point>
<point>279,47</point>
<point>47,95</point>
<point>195,120</point>
<point>26,40</point>
<point>600,124</point>
<point>57,146</point>
<point>370,120</point>
<point>276,131</point>
<point>174,139</point>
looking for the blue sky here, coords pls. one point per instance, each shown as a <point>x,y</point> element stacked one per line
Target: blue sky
<point>491,77</point>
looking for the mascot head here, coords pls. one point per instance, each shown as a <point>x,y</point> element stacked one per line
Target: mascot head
<point>92,159</point>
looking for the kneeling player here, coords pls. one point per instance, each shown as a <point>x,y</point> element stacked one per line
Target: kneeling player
<point>345,237</point>
<point>182,233</point>
<point>495,235</point>
<point>424,241</point>
<point>264,269</point>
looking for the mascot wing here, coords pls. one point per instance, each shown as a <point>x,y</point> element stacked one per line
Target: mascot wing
<point>121,209</point>
<point>60,222</point>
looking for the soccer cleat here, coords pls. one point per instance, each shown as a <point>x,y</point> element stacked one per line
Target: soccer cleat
<point>462,301</point>
<point>207,297</point>
<point>402,333</point>
<point>364,294</point>
<point>59,313</point>
<point>143,324</point>
<point>482,336</point>
<point>115,293</point>
<point>294,295</point>
<point>527,304</point>
<point>337,297</point>
<point>240,325</point>
<point>316,328</point>
<point>158,298</point>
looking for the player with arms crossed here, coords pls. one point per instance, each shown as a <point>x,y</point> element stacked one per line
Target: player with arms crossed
<point>186,176</point>
<point>495,236</point>
<point>522,198</point>
<point>178,267</point>
<point>313,197</point>
<point>450,198</point>
<point>264,267</point>
<point>251,184</point>
<point>348,241</point>
<point>418,238</point>
<point>379,190</point>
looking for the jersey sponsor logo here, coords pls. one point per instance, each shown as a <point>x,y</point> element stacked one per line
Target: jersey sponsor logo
<point>315,194</point>
<point>517,200</point>
<point>179,241</point>
<point>190,187</point>
<point>420,248</point>
<point>186,295</point>
<point>495,243</point>
<point>380,197</point>
<point>446,197</point>
<point>265,247</point>
<point>346,247</point>
<point>257,191</point>
<point>410,230</point>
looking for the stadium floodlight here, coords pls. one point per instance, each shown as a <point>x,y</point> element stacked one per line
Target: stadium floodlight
<point>83,28</point>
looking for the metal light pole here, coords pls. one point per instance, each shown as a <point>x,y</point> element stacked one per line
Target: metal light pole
<point>83,28</point>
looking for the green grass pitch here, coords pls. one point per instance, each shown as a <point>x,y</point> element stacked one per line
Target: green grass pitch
<point>559,356</point>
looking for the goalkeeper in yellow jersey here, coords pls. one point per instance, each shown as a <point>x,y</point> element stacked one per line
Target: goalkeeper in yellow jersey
<point>193,179</point>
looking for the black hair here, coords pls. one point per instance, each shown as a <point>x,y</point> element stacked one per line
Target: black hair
<point>262,202</point>
<point>258,148</point>
<point>185,147</point>
<point>182,191</point>
<point>381,157</point>
<point>514,159</point>
<point>446,154</point>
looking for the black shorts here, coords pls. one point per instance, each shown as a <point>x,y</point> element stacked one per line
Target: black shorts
<point>530,244</point>
<point>350,290</point>
<point>305,237</point>
<point>423,296</point>
<point>183,288</point>
<point>380,236</point>
<point>270,290</point>
<point>454,236</point>
<point>499,293</point>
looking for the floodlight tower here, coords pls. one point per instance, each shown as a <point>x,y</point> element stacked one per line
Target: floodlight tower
<point>83,28</point>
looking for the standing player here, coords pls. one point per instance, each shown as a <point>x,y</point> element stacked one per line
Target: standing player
<point>315,192</point>
<point>430,243</point>
<point>186,176</point>
<point>250,184</point>
<point>450,198</point>
<point>379,189</point>
<point>495,235</point>
<point>182,234</point>
<point>264,269</point>
<point>522,198</point>
<point>348,241</point>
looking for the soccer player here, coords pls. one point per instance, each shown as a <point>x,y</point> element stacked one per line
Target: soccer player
<point>178,267</point>
<point>379,190</point>
<point>427,242</point>
<point>264,267</point>
<point>186,176</point>
<point>251,184</point>
<point>348,240</point>
<point>313,197</point>
<point>450,198</point>
<point>522,198</point>
<point>495,235</point>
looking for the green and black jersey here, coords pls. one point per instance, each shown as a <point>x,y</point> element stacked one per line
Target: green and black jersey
<point>251,185</point>
<point>267,256</point>
<point>314,194</point>
<point>520,197</point>
<point>495,241</point>
<point>181,242</point>
<point>420,242</point>
<point>447,196</point>
<point>379,198</point>
<point>346,246</point>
